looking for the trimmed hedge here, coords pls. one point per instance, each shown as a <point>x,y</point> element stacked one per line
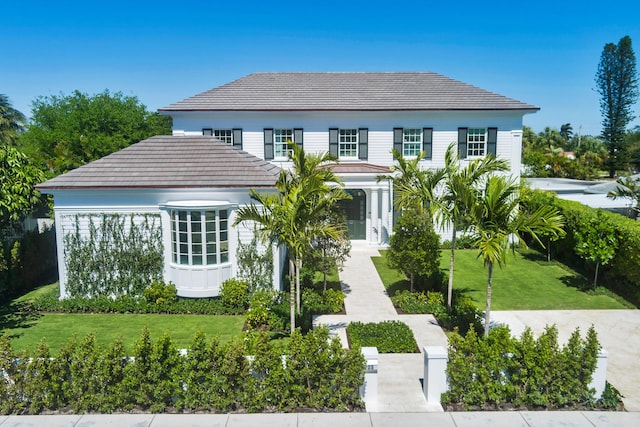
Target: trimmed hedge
<point>523,372</point>
<point>622,274</point>
<point>312,373</point>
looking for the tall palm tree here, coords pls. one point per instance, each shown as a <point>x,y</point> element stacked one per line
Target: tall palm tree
<point>413,186</point>
<point>12,121</point>
<point>566,131</point>
<point>462,188</point>
<point>496,220</point>
<point>293,216</point>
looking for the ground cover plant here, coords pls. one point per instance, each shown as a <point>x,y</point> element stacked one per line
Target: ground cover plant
<point>390,336</point>
<point>244,375</point>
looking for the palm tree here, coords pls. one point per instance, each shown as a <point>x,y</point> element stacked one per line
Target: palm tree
<point>566,131</point>
<point>496,220</point>
<point>461,190</point>
<point>629,188</point>
<point>12,121</point>
<point>413,186</point>
<point>293,216</point>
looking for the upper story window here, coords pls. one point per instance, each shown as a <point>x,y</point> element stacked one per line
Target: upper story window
<point>476,142</point>
<point>224,135</point>
<point>281,140</point>
<point>348,143</point>
<point>411,142</point>
<point>199,237</point>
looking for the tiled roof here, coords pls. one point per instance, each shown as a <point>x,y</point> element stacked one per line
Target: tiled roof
<point>346,92</point>
<point>171,162</point>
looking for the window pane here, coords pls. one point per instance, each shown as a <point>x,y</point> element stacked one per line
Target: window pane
<point>197,260</point>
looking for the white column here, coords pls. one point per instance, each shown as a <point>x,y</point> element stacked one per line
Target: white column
<point>435,376</point>
<point>369,390</point>
<point>375,216</point>
<point>385,232</point>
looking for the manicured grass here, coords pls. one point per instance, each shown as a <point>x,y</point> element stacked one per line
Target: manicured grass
<point>27,329</point>
<point>526,282</point>
<point>59,328</point>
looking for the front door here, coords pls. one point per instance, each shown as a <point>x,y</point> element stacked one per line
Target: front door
<point>355,212</point>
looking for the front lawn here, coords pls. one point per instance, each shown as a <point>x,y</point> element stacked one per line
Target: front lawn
<point>27,328</point>
<point>526,282</point>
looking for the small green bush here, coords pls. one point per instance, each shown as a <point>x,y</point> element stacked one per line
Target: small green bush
<point>391,336</point>
<point>160,293</point>
<point>234,293</point>
<point>260,308</point>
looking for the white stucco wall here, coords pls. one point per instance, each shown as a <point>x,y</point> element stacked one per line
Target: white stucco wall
<point>190,281</point>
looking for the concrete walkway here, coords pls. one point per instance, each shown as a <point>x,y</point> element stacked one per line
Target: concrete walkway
<point>366,300</point>
<point>362,419</point>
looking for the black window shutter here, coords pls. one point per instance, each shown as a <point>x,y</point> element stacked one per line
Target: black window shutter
<point>492,141</point>
<point>363,144</point>
<point>268,144</point>
<point>237,138</point>
<point>207,132</point>
<point>297,137</point>
<point>333,141</point>
<point>462,143</point>
<point>397,139</point>
<point>427,143</point>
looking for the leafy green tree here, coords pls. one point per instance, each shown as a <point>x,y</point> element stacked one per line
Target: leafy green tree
<point>617,84</point>
<point>496,220</point>
<point>328,253</point>
<point>293,215</point>
<point>67,131</point>
<point>596,241</point>
<point>12,121</point>
<point>461,190</point>
<point>414,248</point>
<point>18,177</point>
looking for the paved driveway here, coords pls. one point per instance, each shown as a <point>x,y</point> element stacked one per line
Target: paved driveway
<point>618,333</point>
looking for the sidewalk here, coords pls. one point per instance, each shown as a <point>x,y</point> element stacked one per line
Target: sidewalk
<point>362,419</point>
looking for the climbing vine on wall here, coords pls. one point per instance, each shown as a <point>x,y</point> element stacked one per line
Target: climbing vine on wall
<point>120,254</point>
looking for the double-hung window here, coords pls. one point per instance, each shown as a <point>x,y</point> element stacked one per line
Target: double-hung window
<point>411,142</point>
<point>348,144</point>
<point>281,140</point>
<point>476,142</point>
<point>199,237</point>
<point>224,135</point>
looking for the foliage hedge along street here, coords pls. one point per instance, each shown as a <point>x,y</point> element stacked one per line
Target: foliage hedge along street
<point>311,373</point>
<point>622,273</point>
<point>523,372</point>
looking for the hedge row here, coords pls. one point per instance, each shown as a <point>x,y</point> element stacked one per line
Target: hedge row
<point>315,374</point>
<point>622,274</point>
<point>391,336</point>
<point>523,372</point>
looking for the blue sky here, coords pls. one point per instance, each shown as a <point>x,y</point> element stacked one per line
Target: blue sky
<point>540,52</point>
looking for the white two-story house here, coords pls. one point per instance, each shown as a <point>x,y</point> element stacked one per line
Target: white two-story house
<point>245,125</point>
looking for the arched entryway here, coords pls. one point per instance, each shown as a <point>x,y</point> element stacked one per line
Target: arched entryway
<point>355,211</point>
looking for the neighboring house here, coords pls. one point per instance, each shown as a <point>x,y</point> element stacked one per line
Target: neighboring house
<point>359,117</point>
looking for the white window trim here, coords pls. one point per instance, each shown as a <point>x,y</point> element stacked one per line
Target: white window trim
<point>277,156</point>
<point>471,143</point>
<point>356,143</point>
<point>406,143</point>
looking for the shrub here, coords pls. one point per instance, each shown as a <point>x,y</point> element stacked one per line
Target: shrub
<point>535,373</point>
<point>160,293</point>
<point>391,336</point>
<point>234,293</point>
<point>260,308</point>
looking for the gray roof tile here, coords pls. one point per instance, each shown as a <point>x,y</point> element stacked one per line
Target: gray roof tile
<point>171,162</point>
<point>408,91</point>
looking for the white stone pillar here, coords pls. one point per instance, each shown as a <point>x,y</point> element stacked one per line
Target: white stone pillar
<point>599,378</point>
<point>369,390</point>
<point>375,216</point>
<point>435,377</point>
